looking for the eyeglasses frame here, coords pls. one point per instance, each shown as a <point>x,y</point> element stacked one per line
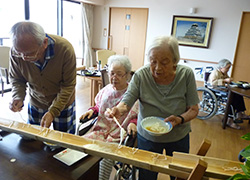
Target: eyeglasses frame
<point>21,55</point>
<point>115,74</point>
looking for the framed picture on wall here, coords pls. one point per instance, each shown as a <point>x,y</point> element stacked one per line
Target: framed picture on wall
<point>192,31</point>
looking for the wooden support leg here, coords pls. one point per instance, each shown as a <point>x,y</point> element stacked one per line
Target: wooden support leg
<point>205,145</point>
<point>198,171</point>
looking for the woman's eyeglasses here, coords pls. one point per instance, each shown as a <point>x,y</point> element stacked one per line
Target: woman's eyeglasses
<point>119,75</point>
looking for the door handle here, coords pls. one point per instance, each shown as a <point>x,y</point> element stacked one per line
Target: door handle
<point>125,51</point>
<point>110,39</point>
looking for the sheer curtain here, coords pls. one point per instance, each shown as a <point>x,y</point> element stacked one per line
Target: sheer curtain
<point>87,22</point>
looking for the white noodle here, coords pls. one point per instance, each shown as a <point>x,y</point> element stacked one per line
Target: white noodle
<point>119,146</point>
<point>122,131</point>
<point>134,150</point>
<point>158,128</point>
<point>11,124</point>
<point>158,157</point>
<point>122,134</point>
<point>155,157</point>
<point>235,169</point>
<point>41,130</point>
<point>47,131</point>
<point>21,117</point>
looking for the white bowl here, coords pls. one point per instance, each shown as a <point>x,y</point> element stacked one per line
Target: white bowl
<point>156,126</point>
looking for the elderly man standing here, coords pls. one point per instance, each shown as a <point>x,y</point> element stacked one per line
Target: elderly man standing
<point>47,65</point>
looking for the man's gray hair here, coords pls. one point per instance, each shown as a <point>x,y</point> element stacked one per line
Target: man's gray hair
<point>27,27</point>
<point>120,60</point>
<point>164,42</point>
<point>223,63</point>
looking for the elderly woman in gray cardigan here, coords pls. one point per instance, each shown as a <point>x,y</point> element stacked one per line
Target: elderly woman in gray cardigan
<point>164,89</point>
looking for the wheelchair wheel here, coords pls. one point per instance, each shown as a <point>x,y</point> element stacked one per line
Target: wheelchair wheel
<point>208,103</point>
<point>240,157</point>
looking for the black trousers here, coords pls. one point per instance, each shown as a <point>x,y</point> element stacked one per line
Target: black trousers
<point>237,103</point>
<point>179,146</point>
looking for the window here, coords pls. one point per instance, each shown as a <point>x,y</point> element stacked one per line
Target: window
<point>11,12</point>
<point>44,12</point>
<point>72,25</point>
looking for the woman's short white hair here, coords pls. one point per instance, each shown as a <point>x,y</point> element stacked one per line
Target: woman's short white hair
<point>164,42</point>
<point>27,27</point>
<point>120,60</point>
<point>223,63</point>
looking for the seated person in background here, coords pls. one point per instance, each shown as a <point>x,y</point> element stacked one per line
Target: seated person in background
<point>106,129</point>
<point>219,77</point>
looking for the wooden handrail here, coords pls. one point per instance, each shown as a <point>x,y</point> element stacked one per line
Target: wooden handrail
<point>195,60</point>
<point>96,49</point>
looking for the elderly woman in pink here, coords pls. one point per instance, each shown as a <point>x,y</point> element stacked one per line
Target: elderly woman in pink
<point>105,129</point>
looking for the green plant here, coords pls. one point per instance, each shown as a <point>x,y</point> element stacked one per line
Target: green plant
<point>246,166</point>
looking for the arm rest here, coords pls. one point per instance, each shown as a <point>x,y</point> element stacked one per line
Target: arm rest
<point>130,140</point>
<point>4,73</point>
<point>85,120</point>
<point>87,128</point>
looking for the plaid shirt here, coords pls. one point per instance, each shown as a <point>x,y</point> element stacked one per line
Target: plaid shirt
<point>65,122</point>
<point>49,53</point>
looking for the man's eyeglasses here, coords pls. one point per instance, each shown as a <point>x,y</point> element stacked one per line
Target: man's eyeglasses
<point>23,56</point>
<point>119,75</point>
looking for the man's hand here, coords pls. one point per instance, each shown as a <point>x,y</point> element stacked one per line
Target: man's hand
<point>47,120</point>
<point>16,105</point>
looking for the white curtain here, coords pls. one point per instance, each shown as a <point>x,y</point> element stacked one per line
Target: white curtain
<point>87,22</point>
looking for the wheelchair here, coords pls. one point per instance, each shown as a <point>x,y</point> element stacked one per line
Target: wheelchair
<point>123,171</point>
<point>213,101</point>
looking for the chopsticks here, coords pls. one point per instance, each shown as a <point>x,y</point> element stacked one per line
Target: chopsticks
<point>122,132</point>
<point>116,121</point>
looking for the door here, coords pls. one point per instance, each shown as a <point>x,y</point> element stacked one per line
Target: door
<point>241,64</point>
<point>127,33</point>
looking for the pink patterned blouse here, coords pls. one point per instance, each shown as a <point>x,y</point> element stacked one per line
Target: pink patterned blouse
<point>106,129</point>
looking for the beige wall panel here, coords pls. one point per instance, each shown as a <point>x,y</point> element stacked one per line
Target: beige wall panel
<point>241,65</point>
<point>138,32</point>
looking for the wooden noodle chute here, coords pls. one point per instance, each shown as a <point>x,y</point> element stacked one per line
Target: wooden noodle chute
<point>139,158</point>
<point>216,168</point>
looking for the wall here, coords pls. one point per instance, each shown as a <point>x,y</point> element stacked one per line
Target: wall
<point>226,14</point>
